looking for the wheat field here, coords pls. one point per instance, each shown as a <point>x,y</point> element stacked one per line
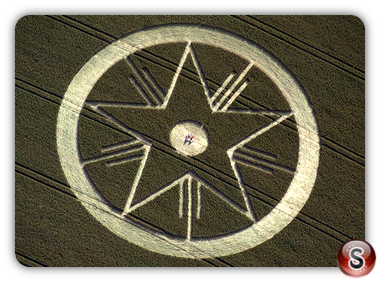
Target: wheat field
<point>121,124</point>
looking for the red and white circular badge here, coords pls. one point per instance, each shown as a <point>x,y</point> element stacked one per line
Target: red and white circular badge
<point>356,258</point>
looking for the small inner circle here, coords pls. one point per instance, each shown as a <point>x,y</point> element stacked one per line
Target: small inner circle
<point>189,138</point>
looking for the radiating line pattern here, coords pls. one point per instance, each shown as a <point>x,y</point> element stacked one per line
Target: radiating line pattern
<point>220,101</point>
<point>258,159</point>
<point>192,185</point>
<point>119,153</point>
<point>241,240</point>
<point>218,104</point>
<point>155,97</point>
<point>148,82</point>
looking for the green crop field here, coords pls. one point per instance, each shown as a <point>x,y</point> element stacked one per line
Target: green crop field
<point>128,160</point>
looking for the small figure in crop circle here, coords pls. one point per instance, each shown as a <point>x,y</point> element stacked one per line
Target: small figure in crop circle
<point>189,138</point>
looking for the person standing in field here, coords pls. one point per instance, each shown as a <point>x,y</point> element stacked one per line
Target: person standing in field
<point>189,138</point>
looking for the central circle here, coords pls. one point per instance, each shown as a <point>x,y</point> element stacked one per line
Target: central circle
<point>189,138</point>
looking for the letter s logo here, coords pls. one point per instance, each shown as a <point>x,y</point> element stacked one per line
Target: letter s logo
<point>356,261</point>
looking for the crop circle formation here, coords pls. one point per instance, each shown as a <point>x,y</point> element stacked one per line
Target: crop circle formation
<point>192,129</point>
<point>284,212</point>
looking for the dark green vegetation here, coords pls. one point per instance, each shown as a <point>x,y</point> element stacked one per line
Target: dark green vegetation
<point>326,54</point>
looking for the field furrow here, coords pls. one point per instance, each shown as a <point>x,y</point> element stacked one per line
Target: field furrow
<point>134,173</point>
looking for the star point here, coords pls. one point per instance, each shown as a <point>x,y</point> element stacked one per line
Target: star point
<point>230,129</point>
